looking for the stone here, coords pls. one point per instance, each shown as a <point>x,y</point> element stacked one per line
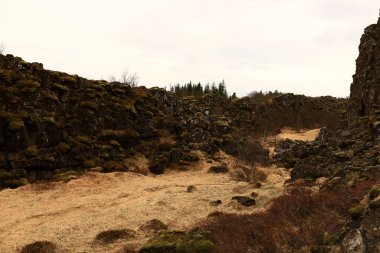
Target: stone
<point>191,188</point>
<point>353,242</point>
<point>244,200</point>
<point>215,202</point>
<point>218,168</point>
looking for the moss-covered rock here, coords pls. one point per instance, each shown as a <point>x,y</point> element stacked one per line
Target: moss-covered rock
<point>374,192</point>
<point>15,182</point>
<point>16,125</point>
<point>4,175</point>
<point>68,79</point>
<point>179,242</point>
<point>31,151</point>
<point>125,137</point>
<point>153,226</point>
<point>158,164</point>
<point>90,105</point>
<point>356,211</point>
<point>52,97</point>
<point>59,88</point>
<point>375,203</point>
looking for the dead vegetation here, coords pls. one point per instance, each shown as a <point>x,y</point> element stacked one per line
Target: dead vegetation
<point>295,220</point>
<point>250,174</point>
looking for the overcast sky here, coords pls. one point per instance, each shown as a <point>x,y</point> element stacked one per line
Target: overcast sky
<point>300,46</point>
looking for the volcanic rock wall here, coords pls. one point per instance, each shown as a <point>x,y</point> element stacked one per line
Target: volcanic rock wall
<point>51,121</point>
<point>365,89</point>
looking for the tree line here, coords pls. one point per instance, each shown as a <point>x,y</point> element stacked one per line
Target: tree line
<point>197,89</point>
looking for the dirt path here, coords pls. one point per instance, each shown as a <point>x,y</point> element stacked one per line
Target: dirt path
<point>72,214</point>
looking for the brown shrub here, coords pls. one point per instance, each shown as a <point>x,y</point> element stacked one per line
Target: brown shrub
<point>39,247</point>
<point>248,174</point>
<point>295,220</point>
<point>111,236</point>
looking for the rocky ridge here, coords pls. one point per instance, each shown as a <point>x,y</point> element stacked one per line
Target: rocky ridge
<point>53,124</point>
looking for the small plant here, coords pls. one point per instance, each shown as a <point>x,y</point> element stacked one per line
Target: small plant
<point>39,247</point>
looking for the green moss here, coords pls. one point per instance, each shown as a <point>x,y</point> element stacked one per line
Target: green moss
<point>28,86</point>
<point>63,147</point>
<point>16,125</point>
<point>31,151</point>
<point>52,97</point>
<point>122,136</point>
<point>83,139</point>
<point>90,105</point>
<point>178,242</point>
<point>4,175</point>
<point>129,105</point>
<point>222,123</point>
<point>15,183</point>
<point>28,83</point>
<point>114,143</point>
<point>356,211</point>
<point>227,138</point>
<point>48,159</point>
<point>8,76</point>
<point>330,239</point>
<point>59,87</point>
<point>374,192</point>
<point>375,204</point>
<point>49,120</point>
<point>154,225</point>
<point>68,79</point>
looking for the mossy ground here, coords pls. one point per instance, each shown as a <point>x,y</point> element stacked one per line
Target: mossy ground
<point>179,242</point>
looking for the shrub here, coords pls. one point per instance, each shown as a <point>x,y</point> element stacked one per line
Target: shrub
<point>295,220</point>
<point>111,236</point>
<point>179,242</point>
<point>248,174</point>
<point>39,247</point>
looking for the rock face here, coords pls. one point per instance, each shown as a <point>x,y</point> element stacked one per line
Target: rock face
<point>365,89</point>
<point>54,122</point>
<point>352,154</point>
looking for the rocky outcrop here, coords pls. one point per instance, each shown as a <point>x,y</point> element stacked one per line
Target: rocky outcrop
<point>351,155</point>
<point>365,89</point>
<point>54,122</point>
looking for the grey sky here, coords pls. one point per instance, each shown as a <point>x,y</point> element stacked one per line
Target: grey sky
<point>300,46</point>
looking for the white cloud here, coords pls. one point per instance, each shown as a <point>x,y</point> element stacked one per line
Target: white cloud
<point>297,46</point>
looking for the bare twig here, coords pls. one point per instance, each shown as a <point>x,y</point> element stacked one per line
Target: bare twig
<point>2,48</point>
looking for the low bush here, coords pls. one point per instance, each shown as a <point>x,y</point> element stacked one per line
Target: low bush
<point>248,174</point>
<point>39,247</point>
<point>111,236</point>
<point>179,242</point>
<point>294,221</point>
